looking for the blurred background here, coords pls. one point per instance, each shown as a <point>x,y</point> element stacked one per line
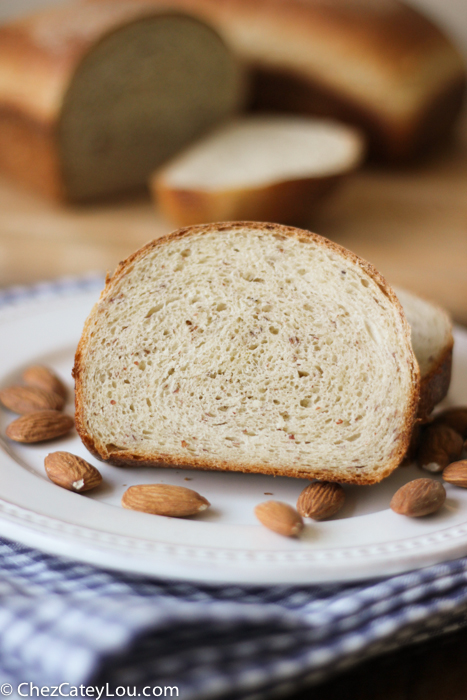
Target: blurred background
<point>409,221</point>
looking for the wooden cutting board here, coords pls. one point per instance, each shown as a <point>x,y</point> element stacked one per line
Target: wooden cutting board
<point>411,223</point>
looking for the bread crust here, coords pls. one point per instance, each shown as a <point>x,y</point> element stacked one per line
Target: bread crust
<point>287,202</point>
<point>127,458</point>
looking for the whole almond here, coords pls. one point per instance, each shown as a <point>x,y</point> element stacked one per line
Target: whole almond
<point>29,399</point>
<point>419,497</point>
<point>456,473</point>
<point>44,378</point>
<point>40,426</point>
<point>279,517</point>
<point>455,418</point>
<point>440,445</point>
<point>320,500</point>
<point>71,472</point>
<point>162,499</point>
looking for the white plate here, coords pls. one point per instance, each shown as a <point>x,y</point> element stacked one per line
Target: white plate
<point>225,543</point>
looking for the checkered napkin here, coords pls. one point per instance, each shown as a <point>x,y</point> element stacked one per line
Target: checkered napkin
<point>66,622</point>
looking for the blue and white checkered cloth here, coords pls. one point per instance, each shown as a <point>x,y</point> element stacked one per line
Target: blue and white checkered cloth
<point>67,622</point>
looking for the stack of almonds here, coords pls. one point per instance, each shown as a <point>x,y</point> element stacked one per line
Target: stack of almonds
<point>39,401</point>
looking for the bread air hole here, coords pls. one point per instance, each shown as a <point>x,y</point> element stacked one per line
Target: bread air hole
<point>372,332</point>
<point>352,438</point>
<point>111,447</point>
<point>154,310</point>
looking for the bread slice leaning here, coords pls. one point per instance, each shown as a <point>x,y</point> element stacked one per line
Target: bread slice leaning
<point>248,347</point>
<point>269,168</point>
<point>432,342</point>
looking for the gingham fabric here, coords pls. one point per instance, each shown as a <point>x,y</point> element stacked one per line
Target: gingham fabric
<point>67,622</point>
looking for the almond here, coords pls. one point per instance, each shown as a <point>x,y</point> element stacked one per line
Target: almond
<point>320,500</point>
<point>29,399</point>
<point>279,517</point>
<point>455,418</point>
<point>456,473</point>
<point>36,427</point>
<point>419,497</point>
<point>44,378</point>
<point>162,499</point>
<point>71,472</point>
<point>440,445</point>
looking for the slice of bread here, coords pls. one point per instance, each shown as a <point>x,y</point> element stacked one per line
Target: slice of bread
<point>258,169</point>
<point>432,342</point>
<point>248,347</point>
<point>94,96</point>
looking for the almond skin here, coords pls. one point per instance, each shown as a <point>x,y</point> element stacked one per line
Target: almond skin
<point>279,517</point>
<point>455,418</point>
<point>71,472</point>
<point>320,500</point>
<point>419,497</point>
<point>440,445</point>
<point>40,426</point>
<point>29,399</point>
<point>456,473</point>
<point>162,499</point>
<point>44,378</point>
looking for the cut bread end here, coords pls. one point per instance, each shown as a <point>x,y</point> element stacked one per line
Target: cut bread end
<point>261,168</point>
<point>248,347</point>
<point>432,342</point>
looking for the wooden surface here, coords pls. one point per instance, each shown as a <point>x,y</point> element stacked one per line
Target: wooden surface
<point>435,670</point>
<point>412,224</point>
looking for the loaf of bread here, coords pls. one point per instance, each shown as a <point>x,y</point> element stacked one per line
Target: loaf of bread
<point>379,64</point>
<point>248,347</point>
<point>266,168</point>
<point>432,342</point>
<point>94,96</point>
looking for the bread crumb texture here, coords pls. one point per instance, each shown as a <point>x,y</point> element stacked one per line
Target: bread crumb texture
<point>246,348</point>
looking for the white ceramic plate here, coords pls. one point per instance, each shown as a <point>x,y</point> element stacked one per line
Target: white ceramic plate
<point>225,543</point>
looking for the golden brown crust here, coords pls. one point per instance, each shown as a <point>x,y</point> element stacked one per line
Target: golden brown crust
<point>288,202</point>
<point>28,153</point>
<point>126,458</point>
